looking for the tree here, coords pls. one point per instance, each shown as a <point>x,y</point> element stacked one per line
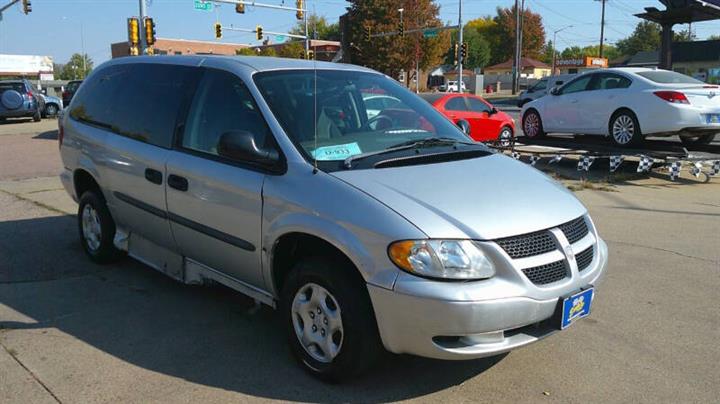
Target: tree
<point>292,49</point>
<point>501,34</point>
<point>478,52</point>
<point>645,37</point>
<point>714,38</point>
<point>685,35</point>
<point>267,51</point>
<point>392,53</point>
<point>75,68</point>
<point>547,53</point>
<point>319,28</point>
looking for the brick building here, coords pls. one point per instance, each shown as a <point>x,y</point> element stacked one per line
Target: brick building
<point>166,46</point>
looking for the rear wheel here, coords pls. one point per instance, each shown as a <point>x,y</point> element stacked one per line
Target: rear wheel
<point>51,110</point>
<point>37,117</point>
<point>97,228</point>
<point>532,125</point>
<point>329,319</point>
<point>698,140</point>
<point>624,128</point>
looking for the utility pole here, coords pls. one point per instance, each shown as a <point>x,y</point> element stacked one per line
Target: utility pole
<point>516,62</point>
<point>602,28</point>
<point>143,39</point>
<point>459,55</point>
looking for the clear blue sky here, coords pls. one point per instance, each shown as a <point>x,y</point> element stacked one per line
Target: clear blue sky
<point>53,28</point>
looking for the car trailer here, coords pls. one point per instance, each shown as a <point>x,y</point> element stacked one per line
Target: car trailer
<point>653,153</point>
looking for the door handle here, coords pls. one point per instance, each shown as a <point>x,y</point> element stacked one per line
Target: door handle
<point>153,176</point>
<point>574,101</point>
<point>177,182</point>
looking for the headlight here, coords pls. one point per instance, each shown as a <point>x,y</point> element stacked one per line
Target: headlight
<point>445,259</point>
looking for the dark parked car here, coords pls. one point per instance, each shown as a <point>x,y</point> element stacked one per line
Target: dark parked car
<point>70,91</point>
<point>17,100</point>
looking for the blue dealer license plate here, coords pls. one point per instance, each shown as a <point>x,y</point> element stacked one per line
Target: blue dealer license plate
<point>576,307</point>
<point>713,118</point>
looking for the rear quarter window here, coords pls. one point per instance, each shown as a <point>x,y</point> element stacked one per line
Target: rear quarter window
<point>140,101</point>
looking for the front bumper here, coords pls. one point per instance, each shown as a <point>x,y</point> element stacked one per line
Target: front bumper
<point>451,320</point>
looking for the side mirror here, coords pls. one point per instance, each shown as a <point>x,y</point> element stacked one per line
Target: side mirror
<point>240,145</point>
<point>464,126</point>
<point>493,111</point>
<point>555,91</point>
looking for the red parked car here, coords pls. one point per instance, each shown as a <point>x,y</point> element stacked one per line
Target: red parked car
<point>486,123</point>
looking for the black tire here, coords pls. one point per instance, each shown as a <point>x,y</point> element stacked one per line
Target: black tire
<point>532,125</point>
<point>104,252</point>
<point>699,140</point>
<point>37,117</point>
<point>506,137</point>
<point>624,128</point>
<point>359,342</point>
<point>51,110</point>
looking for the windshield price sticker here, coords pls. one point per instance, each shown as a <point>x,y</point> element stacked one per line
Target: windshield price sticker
<point>336,152</point>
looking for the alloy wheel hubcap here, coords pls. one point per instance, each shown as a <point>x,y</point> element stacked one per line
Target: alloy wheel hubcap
<point>505,137</point>
<point>623,129</point>
<point>532,125</point>
<point>92,232</point>
<point>317,322</point>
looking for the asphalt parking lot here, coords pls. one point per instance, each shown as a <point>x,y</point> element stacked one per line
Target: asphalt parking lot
<point>73,331</point>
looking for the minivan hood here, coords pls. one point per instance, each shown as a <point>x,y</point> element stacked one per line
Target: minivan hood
<point>482,198</point>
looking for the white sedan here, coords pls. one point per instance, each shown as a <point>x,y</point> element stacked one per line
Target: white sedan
<point>628,104</point>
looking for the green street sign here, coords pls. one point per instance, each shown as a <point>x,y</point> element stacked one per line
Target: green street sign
<point>203,5</point>
<point>430,33</point>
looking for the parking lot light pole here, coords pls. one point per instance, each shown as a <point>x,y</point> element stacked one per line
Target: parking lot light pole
<point>554,47</point>
<point>459,55</point>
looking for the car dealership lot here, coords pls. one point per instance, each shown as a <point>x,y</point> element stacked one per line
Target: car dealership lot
<point>72,331</point>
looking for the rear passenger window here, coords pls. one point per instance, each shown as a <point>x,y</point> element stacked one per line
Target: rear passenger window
<point>456,104</point>
<point>222,104</point>
<point>140,101</point>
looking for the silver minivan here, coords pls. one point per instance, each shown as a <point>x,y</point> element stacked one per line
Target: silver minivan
<point>367,231</point>
<point>542,88</point>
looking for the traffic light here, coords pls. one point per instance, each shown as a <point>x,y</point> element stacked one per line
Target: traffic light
<point>300,5</point>
<point>311,54</point>
<point>463,50</point>
<point>134,51</point>
<point>367,34</point>
<point>133,31</point>
<point>218,30</point>
<point>150,31</point>
<point>258,31</point>
<point>456,50</point>
<point>27,6</point>
<point>240,8</point>
<point>401,29</point>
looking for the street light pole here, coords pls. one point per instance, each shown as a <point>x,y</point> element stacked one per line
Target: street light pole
<point>82,49</point>
<point>554,47</point>
<point>143,40</point>
<point>602,27</point>
<point>459,55</point>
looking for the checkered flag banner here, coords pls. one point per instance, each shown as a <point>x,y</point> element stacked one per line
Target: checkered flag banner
<point>715,168</point>
<point>696,169</point>
<point>585,163</point>
<point>675,170</point>
<point>515,155</point>
<point>557,159</point>
<point>645,164</point>
<point>615,162</point>
<point>534,159</point>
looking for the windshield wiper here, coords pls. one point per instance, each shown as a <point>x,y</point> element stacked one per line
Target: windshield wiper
<point>427,142</point>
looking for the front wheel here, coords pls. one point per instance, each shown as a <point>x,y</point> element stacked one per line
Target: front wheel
<point>698,140</point>
<point>51,110</point>
<point>37,117</point>
<point>506,136</point>
<point>624,128</point>
<point>532,125</point>
<point>329,319</point>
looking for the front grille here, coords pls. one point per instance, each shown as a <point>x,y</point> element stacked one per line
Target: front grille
<point>548,273</point>
<point>584,258</point>
<point>575,230</point>
<point>527,245</point>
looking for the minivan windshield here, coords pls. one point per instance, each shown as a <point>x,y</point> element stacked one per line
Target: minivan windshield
<point>346,121</point>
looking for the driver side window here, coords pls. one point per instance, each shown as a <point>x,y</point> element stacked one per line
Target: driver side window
<point>222,104</point>
<point>579,84</point>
